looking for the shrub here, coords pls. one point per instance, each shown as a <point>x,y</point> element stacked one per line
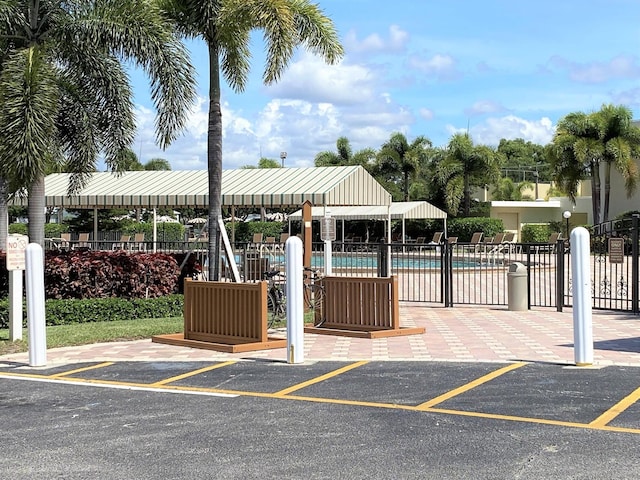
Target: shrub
<point>55,230</point>
<point>167,232</point>
<point>245,230</point>
<point>66,312</point>
<point>89,274</point>
<point>464,228</point>
<point>20,228</point>
<point>536,232</point>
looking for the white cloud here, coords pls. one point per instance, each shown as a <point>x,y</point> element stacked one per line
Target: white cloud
<point>311,79</point>
<point>374,43</point>
<point>482,107</point>
<point>622,66</point>
<point>426,113</point>
<point>443,67</point>
<point>492,130</point>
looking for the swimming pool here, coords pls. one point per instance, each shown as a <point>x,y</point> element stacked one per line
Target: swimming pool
<point>371,262</point>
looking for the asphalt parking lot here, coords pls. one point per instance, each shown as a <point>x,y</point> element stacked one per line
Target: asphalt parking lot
<point>365,419</point>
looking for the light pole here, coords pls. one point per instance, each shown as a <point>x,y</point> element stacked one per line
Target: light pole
<point>283,155</point>
<point>567,215</point>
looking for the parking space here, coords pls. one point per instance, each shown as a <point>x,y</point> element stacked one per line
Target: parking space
<point>604,398</point>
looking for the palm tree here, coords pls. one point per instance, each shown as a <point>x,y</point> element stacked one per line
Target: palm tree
<point>398,157</point>
<point>345,155</point>
<point>225,26</point>
<point>65,97</point>
<point>462,165</point>
<point>157,164</point>
<point>508,190</point>
<point>586,143</point>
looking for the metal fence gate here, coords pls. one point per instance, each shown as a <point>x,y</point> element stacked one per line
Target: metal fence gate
<point>466,273</point>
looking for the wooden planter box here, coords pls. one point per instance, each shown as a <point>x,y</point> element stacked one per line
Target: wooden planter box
<point>363,307</point>
<point>224,316</point>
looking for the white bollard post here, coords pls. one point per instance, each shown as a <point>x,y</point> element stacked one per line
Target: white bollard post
<point>35,305</point>
<point>295,308</point>
<point>15,305</point>
<point>582,324</point>
<point>327,258</point>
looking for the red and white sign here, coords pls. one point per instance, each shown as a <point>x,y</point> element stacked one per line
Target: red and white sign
<point>16,248</point>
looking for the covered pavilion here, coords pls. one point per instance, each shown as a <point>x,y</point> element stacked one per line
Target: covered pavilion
<point>273,187</point>
<point>396,211</point>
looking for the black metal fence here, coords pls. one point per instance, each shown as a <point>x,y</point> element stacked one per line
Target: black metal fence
<point>478,274</point>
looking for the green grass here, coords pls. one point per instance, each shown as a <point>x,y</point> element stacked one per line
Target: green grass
<point>96,332</point>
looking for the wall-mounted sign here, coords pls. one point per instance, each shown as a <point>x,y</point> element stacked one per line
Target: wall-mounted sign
<point>616,250</point>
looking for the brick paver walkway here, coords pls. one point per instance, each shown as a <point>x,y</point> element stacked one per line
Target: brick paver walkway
<point>464,333</point>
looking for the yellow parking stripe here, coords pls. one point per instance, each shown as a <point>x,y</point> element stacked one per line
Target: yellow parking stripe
<point>84,369</point>
<point>319,379</point>
<point>617,409</point>
<point>335,401</point>
<point>465,388</point>
<point>192,373</point>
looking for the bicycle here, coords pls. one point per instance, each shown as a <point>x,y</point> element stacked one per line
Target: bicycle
<point>276,300</point>
<point>313,293</point>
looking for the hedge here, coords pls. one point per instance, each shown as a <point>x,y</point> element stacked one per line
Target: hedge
<point>464,228</point>
<point>67,312</point>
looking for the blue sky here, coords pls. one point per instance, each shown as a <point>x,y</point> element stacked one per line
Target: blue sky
<point>501,69</point>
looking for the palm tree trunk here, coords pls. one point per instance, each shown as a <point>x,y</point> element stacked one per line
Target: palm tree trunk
<point>36,211</point>
<point>467,196</point>
<point>607,191</point>
<point>4,215</point>
<point>595,191</point>
<point>214,162</point>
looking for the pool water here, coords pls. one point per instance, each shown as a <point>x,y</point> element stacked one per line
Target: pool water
<point>371,261</point>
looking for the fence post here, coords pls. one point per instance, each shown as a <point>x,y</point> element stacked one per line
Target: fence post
<point>383,262</point>
<point>635,277</point>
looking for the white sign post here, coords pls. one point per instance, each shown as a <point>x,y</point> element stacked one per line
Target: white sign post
<point>16,247</point>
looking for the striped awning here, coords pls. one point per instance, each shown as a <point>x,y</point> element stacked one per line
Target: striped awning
<point>397,210</point>
<point>269,187</point>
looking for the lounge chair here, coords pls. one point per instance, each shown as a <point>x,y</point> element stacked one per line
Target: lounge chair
<point>474,244</point>
<point>122,244</point>
<point>138,242</point>
<point>83,241</point>
<point>551,244</point>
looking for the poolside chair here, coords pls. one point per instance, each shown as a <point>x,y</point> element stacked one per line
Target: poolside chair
<point>474,244</point>
<point>122,244</point>
<point>65,241</point>
<point>257,238</point>
<point>138,243</point>
<point>551,244</point>
<point>83,241</point>
<point>284,237</point>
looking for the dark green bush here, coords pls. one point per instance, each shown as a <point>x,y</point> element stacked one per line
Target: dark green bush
<point>464,228</point>
<point>245,230</point>
<point>536,233</point>
<point>20,228</point>
<point>66,312</point>
<point>167,232</point>
<point>55,230</point>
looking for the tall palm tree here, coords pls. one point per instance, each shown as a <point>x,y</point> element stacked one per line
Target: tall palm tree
<point>584,144</point>
<point>399,158</point>
<point>225,26</point>
<point>65,97</point>
<point>462,165</point>
<point>344,155</point>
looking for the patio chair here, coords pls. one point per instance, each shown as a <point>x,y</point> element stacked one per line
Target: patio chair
<point>138,243</point>
<point>65,241</point>
<point>474,244</point>
<point>83,241</point>
<point>257,238</point>
<point>122,244</point>
<point>551,244</point>
<point>284,237</point>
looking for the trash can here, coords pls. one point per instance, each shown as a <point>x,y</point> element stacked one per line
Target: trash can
<point>517,287</point>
